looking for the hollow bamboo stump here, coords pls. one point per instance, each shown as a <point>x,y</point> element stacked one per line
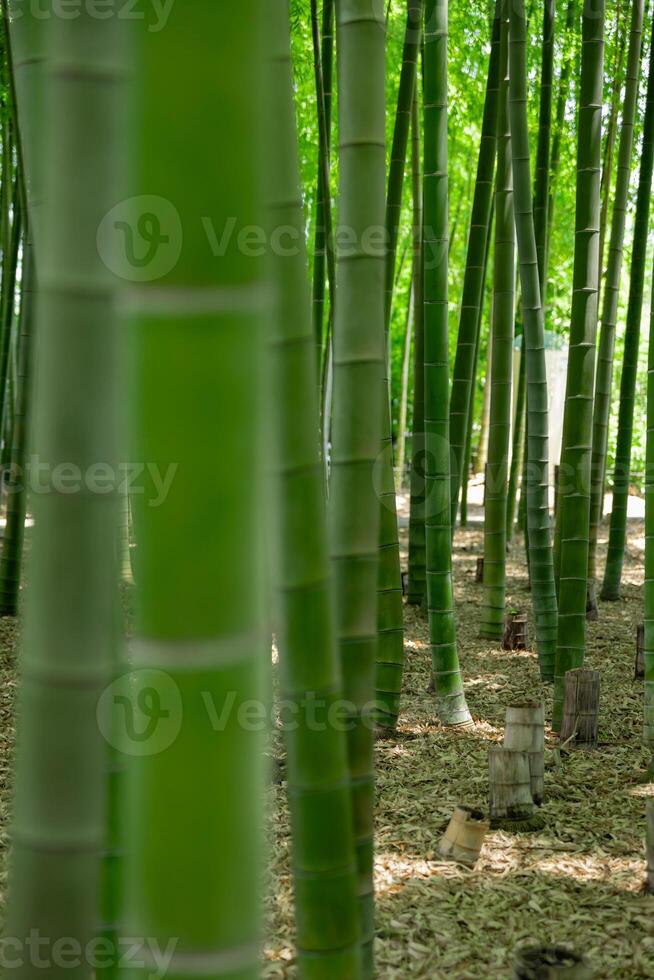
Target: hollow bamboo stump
<point>525,732</point>
<point>479,574</point>
<point>649,846</point>
<point>510,801</point>
<point>581,708</point>
<point>463,839</point>
<point>550,963</point>
<point>639,670</point>
<point>516,632</point>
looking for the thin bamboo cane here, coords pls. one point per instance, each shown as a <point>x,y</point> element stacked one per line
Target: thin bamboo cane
<point>622,471</point>
<point>417,586</point>
<point>648,588</point>
<point>501,373</point>
<point>450,698</point>
<point>605,356</point>
<point>537,457</point>
<point>517,452</point>
<point>463,376</point>
<point>323,253</point>
<point>574,504</point>
<point>357,415</point>
<point>542,175</point>
<point>319,797</point>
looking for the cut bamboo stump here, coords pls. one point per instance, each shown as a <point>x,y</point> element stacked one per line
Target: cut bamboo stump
<point>516,632</point>
<point>511,803</point>
<point>525,732</point>
<point>463,839</point>
<point>649,845</point>
<point>639,670</point>
<point>550,963</point>
<point>479,574</point>
<point>581,708</point>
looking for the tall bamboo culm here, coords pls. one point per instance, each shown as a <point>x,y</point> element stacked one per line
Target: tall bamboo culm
<point>648,592</point>
<point>70,615</point>
<point>390,651</point>
<point>417,585</point>
<point>501,370</point>
<point>542,175</point>
<point>541,565</point>
<point>357,417</point>
<point>450,698</point>
<point>319,796</point>
<point>574,492</point>
<point>194,328</point>
<point>463,375</point>
<point>622,471</point>
<point>605,356</point>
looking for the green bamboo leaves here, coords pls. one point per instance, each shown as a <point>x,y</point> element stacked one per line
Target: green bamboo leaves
<point>541,564</point>
<point>194,790</point>
<point>605,356</point>
<point>450,699</point>
<point>317,770</point>
<point>574,498</point>
<point>622,472</point>
<point>501,376</point>
<point>59,811</point>
<point>357,415</point>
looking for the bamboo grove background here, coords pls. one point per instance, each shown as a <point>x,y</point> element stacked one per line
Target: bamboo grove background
<point>474,136</point>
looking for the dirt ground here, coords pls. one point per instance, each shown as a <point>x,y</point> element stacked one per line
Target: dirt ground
<point>578,881</point>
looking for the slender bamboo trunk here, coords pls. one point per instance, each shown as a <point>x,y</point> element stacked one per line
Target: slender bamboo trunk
<point>605,357</point>
<point>501,369</point>
<point>323,251</point>
<point>450,698</point>
<point>390,650</point>
<point>537,457</point>
<point>195,352</point>
<point>408,74</point>
<point>574,491</point>
<point>611,134</point>
<point>357,425</point>
<point>319,797</point>
<point>417,585</point>
<point>622,471</point>
<point>648,590</point>
<point>70,616</point>
<point>542,176</point>
<point>463,377</point>
<point>561,102</point>
<point>482,448</point>
<point>404,394</point>
<point>7,306</point>
<point>517,452</point>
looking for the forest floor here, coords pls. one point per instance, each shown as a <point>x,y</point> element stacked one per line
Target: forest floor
<point>578,882</point>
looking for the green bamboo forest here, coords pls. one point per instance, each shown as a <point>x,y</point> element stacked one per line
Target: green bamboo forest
<point>327,489</point>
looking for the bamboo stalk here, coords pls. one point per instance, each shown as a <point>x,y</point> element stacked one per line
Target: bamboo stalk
<point>448,682</point>
<point>319,797</point>
<point>201,643</point>
<point>541,567</point>
<point>622,471</point>
<point>574,505</point>
<point>463,375</point>
<point>357,415</point>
